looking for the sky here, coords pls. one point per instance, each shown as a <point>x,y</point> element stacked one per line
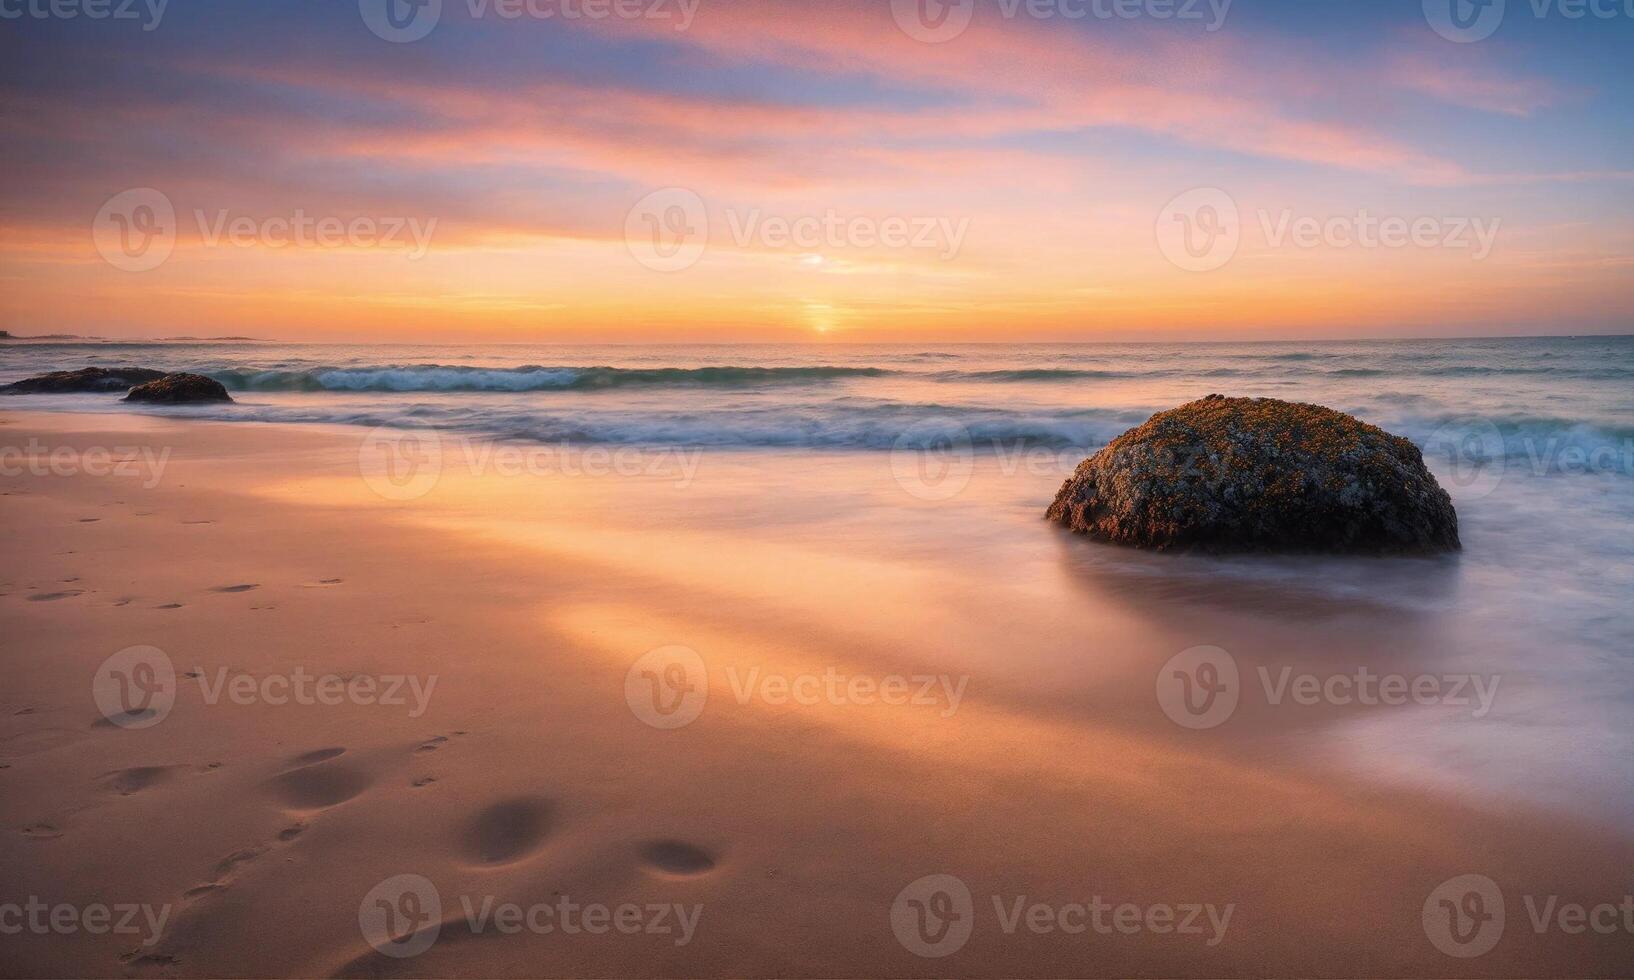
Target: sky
<point>806,170</point>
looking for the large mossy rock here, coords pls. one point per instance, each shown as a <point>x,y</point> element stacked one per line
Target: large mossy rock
<point>94,380</point>
<point>179,389</point>
<point>1257,474</point>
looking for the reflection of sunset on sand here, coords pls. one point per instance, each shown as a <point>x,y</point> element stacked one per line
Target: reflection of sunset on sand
<point>529,777</point>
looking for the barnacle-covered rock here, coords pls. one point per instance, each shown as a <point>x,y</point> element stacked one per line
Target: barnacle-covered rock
<point>1258,474</point>
<point>173,389</point>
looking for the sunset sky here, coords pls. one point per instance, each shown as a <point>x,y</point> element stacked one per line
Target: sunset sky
<point>1030,162</point>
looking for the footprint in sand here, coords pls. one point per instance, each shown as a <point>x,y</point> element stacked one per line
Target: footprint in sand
<point>317,782</point>
<point>235,588</point>
<point>322,583</point>
<point>54,596</point>
<point>42,831</point>
<point>507,831</point>
<point>432,744</point>
<point>28,743</point>
<point>169,605</point>
<point>228,866</point>
<point>127,782</point>
<point>89,520</point>
<point>677,859</point>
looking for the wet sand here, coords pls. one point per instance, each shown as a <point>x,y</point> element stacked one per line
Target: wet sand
<point>1035,764</point>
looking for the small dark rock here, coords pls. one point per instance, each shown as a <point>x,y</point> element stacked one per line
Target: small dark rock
<point>1257,474</point>
<point>91,379</point>
<point>180,388</point>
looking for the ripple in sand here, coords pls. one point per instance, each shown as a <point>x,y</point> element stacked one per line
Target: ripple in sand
<point>507,831</point>
<point>678,858</point>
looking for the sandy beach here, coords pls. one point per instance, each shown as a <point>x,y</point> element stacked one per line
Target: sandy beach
<point>451,687</point>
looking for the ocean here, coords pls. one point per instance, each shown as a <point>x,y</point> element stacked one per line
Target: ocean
<point>1550,399</point>
<point>1533,438</point>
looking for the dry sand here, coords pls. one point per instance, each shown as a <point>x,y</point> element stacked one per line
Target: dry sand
<point>256,830</point>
